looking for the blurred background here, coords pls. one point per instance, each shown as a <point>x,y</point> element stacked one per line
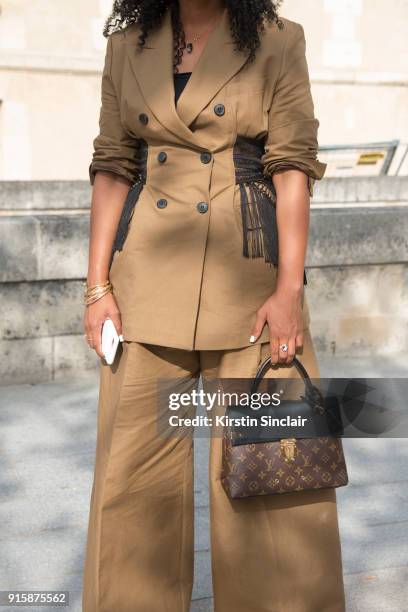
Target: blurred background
<point>52,53</point>
<point>51,56</point>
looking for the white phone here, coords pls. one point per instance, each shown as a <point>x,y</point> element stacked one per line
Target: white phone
<point>110,341</point>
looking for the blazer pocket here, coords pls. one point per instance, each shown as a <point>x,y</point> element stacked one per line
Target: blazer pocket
<point>245,87</point>
<point>248,109</point>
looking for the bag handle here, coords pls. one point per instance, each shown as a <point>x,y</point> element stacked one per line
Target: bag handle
<point>313,394</point>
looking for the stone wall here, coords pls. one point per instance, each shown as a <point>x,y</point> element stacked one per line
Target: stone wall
<point>356,266</point>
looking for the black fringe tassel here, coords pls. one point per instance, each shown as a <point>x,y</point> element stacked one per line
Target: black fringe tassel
<point>258,203</point>
<point>126,216</point>
<point>131,199</point>
<point>258,210</point>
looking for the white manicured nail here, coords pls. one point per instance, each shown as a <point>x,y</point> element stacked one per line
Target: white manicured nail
<point>121,338</point>
<point>252,339</point>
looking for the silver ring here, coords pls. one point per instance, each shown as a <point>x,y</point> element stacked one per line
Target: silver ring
<point>283,347</point>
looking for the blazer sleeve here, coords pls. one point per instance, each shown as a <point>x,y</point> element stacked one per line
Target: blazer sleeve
<point>114,149</point>
<point>292,127</point>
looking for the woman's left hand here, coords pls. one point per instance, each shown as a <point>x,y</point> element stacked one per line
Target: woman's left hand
<point>283,314</point>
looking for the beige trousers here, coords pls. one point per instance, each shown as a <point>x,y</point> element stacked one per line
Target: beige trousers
<point>269,554</point>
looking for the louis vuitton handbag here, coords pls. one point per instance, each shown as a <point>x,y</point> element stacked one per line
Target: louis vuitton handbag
<point>257,460</point>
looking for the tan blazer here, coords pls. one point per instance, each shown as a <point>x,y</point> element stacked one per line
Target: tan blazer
<point>181,279</point>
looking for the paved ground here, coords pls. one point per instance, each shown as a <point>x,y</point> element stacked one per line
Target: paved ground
<point>47,451</point>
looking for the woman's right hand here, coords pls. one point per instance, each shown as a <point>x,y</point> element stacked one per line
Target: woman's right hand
<point>108,195</point>
<point>95,316</point>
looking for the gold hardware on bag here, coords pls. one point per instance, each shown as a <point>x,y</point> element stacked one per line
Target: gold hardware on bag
<point>283,465</point>
<point>288,449</point>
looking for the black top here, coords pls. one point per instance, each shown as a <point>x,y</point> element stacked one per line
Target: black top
<point>180,81</point>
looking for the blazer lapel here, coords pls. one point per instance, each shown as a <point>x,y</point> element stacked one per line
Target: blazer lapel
<point>153,68</point>
<point>217,64</point>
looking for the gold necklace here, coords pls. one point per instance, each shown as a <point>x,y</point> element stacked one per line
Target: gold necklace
<point>190,46</point>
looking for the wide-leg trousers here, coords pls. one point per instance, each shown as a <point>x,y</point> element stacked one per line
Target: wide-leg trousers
<point>276,553</point>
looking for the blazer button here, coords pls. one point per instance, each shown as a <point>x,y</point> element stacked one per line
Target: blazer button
<point>162,156</point>
<point>205,157</point>
<point>161,203</point>
<point>143,118</point>
<point>202,207</point>
<point>219,109</point>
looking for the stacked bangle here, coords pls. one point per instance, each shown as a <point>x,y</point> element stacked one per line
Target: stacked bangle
<point>96,292</point>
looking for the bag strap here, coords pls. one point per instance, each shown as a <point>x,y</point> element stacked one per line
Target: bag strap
<point>312,392</point>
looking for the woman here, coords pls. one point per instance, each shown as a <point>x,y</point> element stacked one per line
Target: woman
<point>195,290</point>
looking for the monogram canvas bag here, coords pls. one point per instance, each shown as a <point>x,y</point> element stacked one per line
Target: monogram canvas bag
<point>256,461</point>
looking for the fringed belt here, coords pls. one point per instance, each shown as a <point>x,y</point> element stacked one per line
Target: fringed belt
<point>258,201</point>
<point>131,199</point>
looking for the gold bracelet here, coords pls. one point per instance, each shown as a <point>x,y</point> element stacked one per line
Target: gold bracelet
<point>96,292</point>
<point>95,296</point>
<point>96,287</point>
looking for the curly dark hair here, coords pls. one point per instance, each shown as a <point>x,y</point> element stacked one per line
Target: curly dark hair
<point>247,19</point>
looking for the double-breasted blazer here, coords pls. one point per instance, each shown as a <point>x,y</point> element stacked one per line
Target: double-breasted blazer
<point>181,279</point>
